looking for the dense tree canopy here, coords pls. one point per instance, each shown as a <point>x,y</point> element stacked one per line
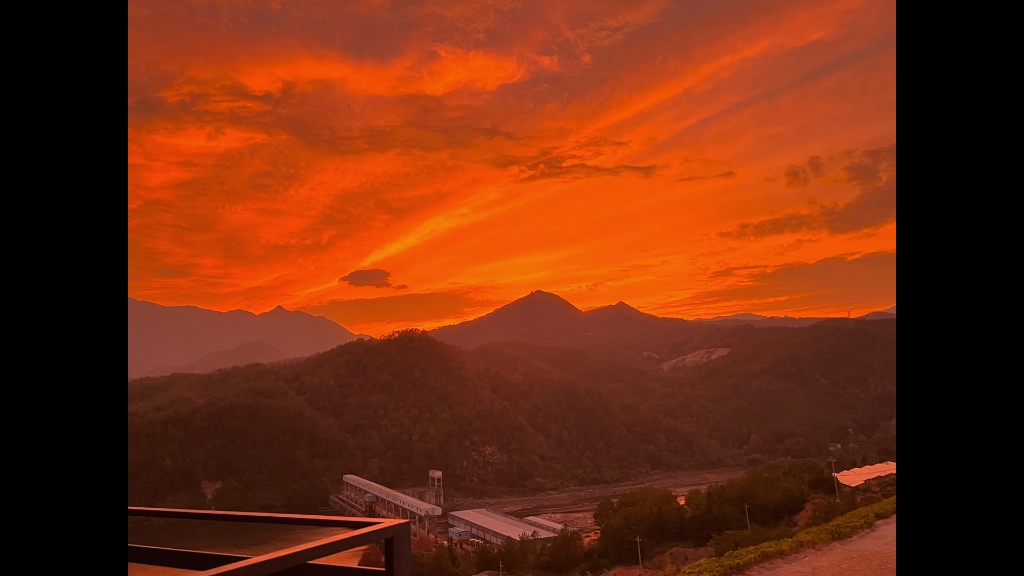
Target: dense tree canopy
<point>506,416</point>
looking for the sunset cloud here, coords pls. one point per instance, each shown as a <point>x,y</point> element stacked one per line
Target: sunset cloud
<point>501,146</point>
<point>801,175</point>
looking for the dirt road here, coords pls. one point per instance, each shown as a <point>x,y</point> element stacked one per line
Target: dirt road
<point>872,553</point>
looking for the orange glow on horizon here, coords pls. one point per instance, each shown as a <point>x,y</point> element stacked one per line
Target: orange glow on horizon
<point>688,160</point>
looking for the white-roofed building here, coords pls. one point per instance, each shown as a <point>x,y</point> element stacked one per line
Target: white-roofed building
<point>544,524</point>
<point>858,476</point>
<point>458,534</point>
<point>495,528</point>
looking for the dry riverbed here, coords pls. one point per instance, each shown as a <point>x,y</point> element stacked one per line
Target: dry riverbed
<point>575,506</point>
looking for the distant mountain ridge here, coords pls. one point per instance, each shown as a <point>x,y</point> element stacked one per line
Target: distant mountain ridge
<point>880,315</point>
<point>748,319</point>
<point>241,355</point>
<point>548,319</point>
<point>165,339</point>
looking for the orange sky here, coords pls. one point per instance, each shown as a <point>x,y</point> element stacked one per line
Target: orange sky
<point>688,158</point>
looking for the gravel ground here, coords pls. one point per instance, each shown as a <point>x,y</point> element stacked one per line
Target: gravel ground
<point>575,506</point>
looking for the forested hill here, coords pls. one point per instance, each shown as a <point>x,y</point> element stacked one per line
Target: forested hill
<point>513,416</point>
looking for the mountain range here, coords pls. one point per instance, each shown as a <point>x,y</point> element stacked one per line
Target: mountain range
<point>537,394</point>
<point>166,339</point>
<point>546,319</point>
<point>886,314</point>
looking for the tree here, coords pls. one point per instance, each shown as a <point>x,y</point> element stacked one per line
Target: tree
<point>651,513</point>
<point>565,551</point>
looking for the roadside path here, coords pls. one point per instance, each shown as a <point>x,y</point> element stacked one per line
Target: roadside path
<point>872,553</point>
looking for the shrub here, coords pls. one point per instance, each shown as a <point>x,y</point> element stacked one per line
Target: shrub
<point>828,510</point>
<point>736,539</point>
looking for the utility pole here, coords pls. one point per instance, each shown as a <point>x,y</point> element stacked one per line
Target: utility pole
<point>746,510</point>
<point>639,558</point>
<point>500,566</point>
<point>834,479</point>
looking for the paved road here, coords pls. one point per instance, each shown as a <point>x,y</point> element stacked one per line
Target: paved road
<point>870,554</point>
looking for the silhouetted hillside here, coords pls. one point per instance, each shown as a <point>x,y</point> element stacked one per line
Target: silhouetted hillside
<point>163,339</point>
<point>539,317</point>
<point>887,314</point>
<point>241,355</point>
<point>546,319</point>
<point>513,415</point>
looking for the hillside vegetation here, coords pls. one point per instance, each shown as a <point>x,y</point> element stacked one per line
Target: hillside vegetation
<point>507,416</point>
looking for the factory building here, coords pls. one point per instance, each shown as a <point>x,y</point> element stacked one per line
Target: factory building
<point>371,499</point>
<point>433,493</point>
<point>495,528</point>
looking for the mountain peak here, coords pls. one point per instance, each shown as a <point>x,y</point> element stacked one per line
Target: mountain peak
<point>620,308</point>
<point>519,320</point>
<point>740,316</point>
<point>540,298</point>
<point>542,295</point>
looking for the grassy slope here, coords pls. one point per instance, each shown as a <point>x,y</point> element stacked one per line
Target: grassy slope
<point>839,529</point>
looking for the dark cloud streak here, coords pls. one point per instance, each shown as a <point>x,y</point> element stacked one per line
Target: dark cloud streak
<point>874,172</point>
<point>729,174</point>
<point>375,278</point>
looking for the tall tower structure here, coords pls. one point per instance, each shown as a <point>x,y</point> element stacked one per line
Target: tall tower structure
<point>435,490</point>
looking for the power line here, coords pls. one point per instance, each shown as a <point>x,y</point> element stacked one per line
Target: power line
<point>834,479</point>
<point>639,558</point>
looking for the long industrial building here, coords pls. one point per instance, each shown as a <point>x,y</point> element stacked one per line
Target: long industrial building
<point>496,528</point>
<point>371,499</point>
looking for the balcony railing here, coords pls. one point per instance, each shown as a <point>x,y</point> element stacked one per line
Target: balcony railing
<point>293,561</point>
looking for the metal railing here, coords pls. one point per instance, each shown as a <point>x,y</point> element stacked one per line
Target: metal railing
<point>293,561</point>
